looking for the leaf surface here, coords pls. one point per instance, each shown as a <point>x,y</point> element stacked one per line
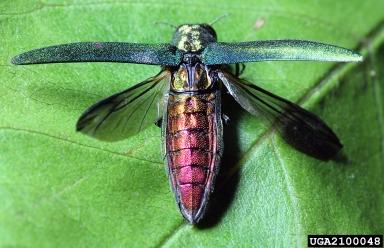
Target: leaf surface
<point>60,187</point>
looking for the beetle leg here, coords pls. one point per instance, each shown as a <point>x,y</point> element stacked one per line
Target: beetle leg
<point>159,122</point>
<point>239,69</point>
<point>226,119</point>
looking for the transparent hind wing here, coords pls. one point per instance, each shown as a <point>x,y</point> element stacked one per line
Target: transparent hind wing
<point>299,127</point>
<point>128,112</point>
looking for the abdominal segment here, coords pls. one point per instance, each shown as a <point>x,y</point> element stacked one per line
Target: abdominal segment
<point>193,149</point>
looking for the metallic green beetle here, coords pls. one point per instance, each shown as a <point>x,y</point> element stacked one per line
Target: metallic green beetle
<point>186,96</point>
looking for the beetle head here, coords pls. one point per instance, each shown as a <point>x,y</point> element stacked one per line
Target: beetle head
<point>193,37</point>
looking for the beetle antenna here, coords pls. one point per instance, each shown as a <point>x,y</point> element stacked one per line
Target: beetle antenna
<point>166,23</point>
<point>218,19</point>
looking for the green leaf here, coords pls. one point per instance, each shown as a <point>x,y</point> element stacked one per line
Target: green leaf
<point>60,188</point>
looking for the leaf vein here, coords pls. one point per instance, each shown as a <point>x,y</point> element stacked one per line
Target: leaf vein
<point>34,132</point>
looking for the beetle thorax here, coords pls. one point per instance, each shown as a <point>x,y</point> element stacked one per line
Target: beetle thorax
<point>190,77</point>
<point>193,37</point>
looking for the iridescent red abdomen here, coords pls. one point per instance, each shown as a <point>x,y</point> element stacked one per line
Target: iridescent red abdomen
<point>193,149</point>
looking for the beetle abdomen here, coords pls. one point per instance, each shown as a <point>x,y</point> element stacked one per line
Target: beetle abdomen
<point>193,147</point>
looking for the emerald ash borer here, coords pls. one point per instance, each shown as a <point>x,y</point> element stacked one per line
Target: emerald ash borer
<point>185,97</point>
